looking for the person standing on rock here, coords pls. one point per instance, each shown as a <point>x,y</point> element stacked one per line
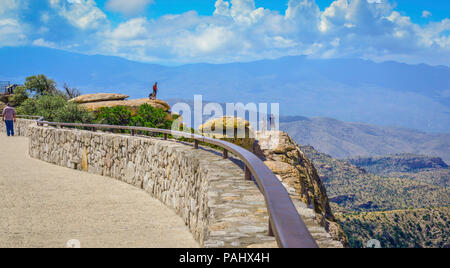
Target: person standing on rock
<point>155,91</point>
<point>9,117</point>
<point>272,122</point>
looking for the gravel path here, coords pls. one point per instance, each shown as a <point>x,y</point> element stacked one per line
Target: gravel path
<point>43,205</point>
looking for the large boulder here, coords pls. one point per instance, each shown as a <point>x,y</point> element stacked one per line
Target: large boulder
<point>221,125</point>
<point>99,97</point>
<point>232,129</point>
<point>132,105</point>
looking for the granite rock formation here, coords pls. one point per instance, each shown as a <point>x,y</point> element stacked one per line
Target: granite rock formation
<point>232,129</point>
<point>99,97</point>
<point>132,105</point>
<point>285,158</point>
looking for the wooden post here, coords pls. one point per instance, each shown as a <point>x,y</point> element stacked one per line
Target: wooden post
<point>225,154</point>
<point>195,144</point>
<point>165,136</point>
<point>270,229</point>
<point>248,174</point>
<point>132,132</point>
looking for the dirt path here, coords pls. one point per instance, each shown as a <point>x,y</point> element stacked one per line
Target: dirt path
<point>43,205</point>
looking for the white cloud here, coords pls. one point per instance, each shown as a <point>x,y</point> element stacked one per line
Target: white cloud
<point>222,8</point>
<point>426,14</point>
<point>237,31</point>
<point>205,40</point>
<point>83,14</point>
<point>43,43</point>
<point>131,29</point>
<point>11,33</point>
<point>7,5</point>
<point>128,7</point>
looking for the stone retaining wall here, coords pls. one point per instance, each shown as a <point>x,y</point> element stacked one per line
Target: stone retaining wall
<point>209,193</point>
<point>21,127</point>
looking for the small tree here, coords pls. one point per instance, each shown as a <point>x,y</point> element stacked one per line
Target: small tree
<point>41,85</point>
<point>20,95</point>
<point>71,92</point>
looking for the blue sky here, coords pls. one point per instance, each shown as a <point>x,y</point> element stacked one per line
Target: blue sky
<point>218,31</point>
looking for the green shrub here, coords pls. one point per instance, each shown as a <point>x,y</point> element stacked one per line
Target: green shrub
<point>28,107</point>
<point>55,108</point>
<point>119,116</point>
<point>73,113</point>
<point>20,95</point>
<point>151,117</point>
<point>48,106</point>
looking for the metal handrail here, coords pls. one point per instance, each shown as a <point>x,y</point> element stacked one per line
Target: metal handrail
<point>284,221</point>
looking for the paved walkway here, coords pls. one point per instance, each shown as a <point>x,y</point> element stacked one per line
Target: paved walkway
<point>43,205</point>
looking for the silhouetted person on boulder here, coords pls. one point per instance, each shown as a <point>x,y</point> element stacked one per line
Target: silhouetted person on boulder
<point>155,92</point>
<point>9,117</point>
<point>272,122</point>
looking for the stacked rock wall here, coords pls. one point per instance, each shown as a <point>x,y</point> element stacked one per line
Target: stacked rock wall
<point>21,127</point>
<point>208,192</point>
<point>220,208</point>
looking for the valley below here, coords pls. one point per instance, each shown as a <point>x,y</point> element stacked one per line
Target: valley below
<point>406,204</point>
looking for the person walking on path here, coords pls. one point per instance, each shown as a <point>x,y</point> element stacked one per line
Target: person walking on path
<point>9,117</point>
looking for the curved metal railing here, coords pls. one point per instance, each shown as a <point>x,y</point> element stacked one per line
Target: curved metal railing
<point>285,223</point>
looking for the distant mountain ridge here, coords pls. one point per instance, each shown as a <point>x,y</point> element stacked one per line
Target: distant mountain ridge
<point>346,139</point>
<point>398,163</point>
<point>390,93</point>
<point>432,170</point>
<point>351,188</point>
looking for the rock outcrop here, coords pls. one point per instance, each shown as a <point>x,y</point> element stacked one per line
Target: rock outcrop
<point>285,158</point>
<point>132,105</point>
<point>220,125</point>
<point>94,102</point>
<point>2,106</point>
<point>232,129</point>
<point>99,97</point>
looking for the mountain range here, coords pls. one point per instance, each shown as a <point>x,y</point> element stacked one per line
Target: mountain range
<point>354,90</point>
<point>346,139</point>
<point>352,188</point>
